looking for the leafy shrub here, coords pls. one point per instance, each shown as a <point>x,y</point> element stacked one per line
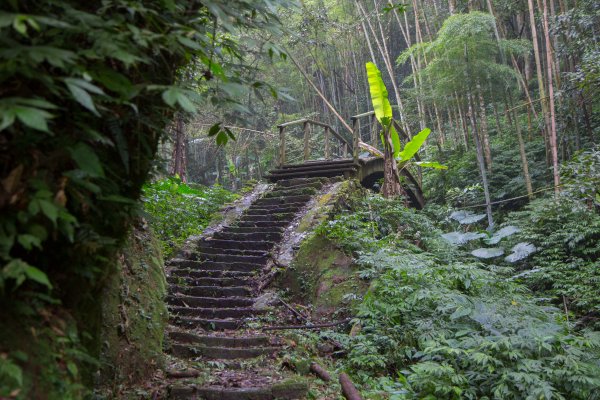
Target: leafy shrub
<point>435,325</point>
<point>178,211</point>
<point>565,265</point>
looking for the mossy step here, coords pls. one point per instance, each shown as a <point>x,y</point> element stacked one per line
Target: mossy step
<point>207,323</point>
<point>219,341</point>
<point>283,391</point>
<point>215,302</point>
<point>318,166</point>
<point>301,181</point>
<point>291,192</point>
<point>253,236</point>
<point>212,291</point>
<point>258,210</point>
<point>273,177</point>
<point>231,251</point>
<point>225,258</point>
<point>220,353</point>
<point>187,280</point>
<point>254,246</point>
<point>315,185</point>
<point>217,313</point>
<point>238,229</point>
<point>205,267</point>
<point>319,162</point>
<point>262,224</point>
<point>283,200</point>
<point>263,206</point>
<point>268,217</point>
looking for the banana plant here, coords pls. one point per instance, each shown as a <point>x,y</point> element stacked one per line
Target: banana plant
<point>383,113</point>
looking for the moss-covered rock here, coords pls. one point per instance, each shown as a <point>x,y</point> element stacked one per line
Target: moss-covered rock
<point>134,315</point>
<point>320,273</point>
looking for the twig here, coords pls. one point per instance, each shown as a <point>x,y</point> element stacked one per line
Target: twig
<point>292,309</point>
<point>317,326</point>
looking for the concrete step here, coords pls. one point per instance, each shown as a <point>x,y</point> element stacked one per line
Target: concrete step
<point>228,259</point>
<point>301,181</point>
<point>268,217</point>
<point>255,247</point>
<point>212,302</point>
<point>207,323</point>
<point>186,280</point>
<point>249,237</point>
<point>315,163</point>
<point>235,251</point>
<point>212,291</point>
<point>186,273</point>
<point>262,224</point>
<point>312,168</point>
<point>274,210</point>
<point>267,229</point>
<point>310,191</point>
<point>220,353</point>
<point>311,185</point>
<point>215,313</point>
<point>282,200</point>
<point>297,205</point>
<point>275,176</point>
<point>202,266</point>
<point>219,341</point>
<point>281,391</point>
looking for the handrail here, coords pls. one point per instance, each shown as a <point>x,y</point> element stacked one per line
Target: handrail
<point>305,122</point>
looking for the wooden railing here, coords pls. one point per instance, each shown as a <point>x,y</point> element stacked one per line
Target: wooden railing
<point>347,147</point>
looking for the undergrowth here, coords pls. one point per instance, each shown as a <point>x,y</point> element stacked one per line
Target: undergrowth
<point>178,211</point>
<point>438,324</point>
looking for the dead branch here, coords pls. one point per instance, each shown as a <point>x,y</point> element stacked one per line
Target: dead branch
<point>320,372</point>
<point>348,389</point>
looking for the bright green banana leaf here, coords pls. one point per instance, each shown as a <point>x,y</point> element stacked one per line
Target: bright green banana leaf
<point>379,95</point>
<point>381,105</point>
<point>430,164</point>
<point>414,145</point>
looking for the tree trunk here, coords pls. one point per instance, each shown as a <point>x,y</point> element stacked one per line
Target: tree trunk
<point>391,179</point>
<point>553,141</point>
<point>179,148</point>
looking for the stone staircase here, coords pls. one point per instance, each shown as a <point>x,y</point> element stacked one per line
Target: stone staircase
<point>212,296</point>
<point>324,168</point>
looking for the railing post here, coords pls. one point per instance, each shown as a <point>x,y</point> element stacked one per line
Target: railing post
<point>355,133</point>
<point>306,143</point>
<point>281,146</point>
<point>327,143</point>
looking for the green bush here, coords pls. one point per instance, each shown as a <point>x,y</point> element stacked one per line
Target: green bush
<point>565,265</point>
<point>436,325</point>
<point>178,211</point>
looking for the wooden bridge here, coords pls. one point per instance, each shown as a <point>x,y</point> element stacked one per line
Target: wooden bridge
<point>332,154</point>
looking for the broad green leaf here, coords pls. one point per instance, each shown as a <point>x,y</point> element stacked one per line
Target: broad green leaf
<point>414,145</point>
<point>29,241</point>
<point>484,252</point>
<point>379,93</point>
<point>87,160</point>
<point>37,275</point>
<point>189,43</point>
<point>459,238</point>
<point>82,97</point>
<point>222,138</point>
<point>49,209</point>
<point>520,251</point>
<point>502,233</point>
<point>214,129</point>
<point>430,164</point>
<point>33,117</point>
<point>466,217</point>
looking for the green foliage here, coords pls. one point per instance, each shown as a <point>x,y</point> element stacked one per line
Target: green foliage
<point>178,211</point>
<point>565,265</point>
<point>436,326</point>
<point>581,177</point>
